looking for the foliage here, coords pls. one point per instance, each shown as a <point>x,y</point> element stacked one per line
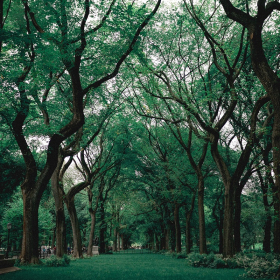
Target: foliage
<point>263,267</point>
<point>55,261</point>
<point>256,265</point>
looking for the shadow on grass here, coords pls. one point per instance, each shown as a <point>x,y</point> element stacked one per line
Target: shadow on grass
<point>125,267</point>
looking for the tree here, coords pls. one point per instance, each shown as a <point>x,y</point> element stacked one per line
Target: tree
<point>255,24</point>
<point>68,46</point>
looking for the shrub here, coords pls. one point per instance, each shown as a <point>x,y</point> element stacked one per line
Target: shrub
<point>55,261</point>
<point>181,256</point>
<point>197,260</point>
<point>213,261</point>
<point>262,268</point>
<point>256,265</point>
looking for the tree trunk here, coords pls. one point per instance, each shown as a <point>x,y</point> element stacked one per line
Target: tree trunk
<point>115,240</point>
<point>177,228</point>
<point>228,242</point>
<point>172,236</point>
<point>201,216</point>
<point>91,234</point>
<point>58,194</point>
<point>237,218</point>
<point>166,235</point>
<point>122,238</point>
<point>102,228</point>
<point>119,241</point>
<point>188,225</point>
<point>276,230</point>
<point>77,240</point>
<point>267,234</point>
<point>221,239</point>
<point>30,238</point>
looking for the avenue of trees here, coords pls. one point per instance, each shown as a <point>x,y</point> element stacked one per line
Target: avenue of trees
<point>140,122</point>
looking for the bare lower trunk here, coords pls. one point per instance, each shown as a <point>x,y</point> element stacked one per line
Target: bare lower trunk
<point>267,234</point>
<point>122,238</point>
<point>102,229</point>
<point>29,250</point>
<point>177,228</point>
<point>237,218</point>
<point>77,241</point>
<point>188,237</point>
<point>166,235</point>
<point>276,230</point>
<point>115,240</point>
<point>221,239</point>
<point>119,241</point>
<point>201,216</point>
<point>58,193</point>
<point>188,225</point>
<point>228,242</point>
<point>91,234</point>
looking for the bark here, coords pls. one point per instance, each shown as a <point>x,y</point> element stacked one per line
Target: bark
<point>201,219</point>
<point>276,229</point>
<point>1,21</point>
<point>267,234</point>
<point>58,193</point>
<point>102,229</point>
<point>93,221</point>
<point>172,236</point>
<point>221,238</point>
<point>188,225</point>
<point>29,251</point>
<point>166,237</point>
<point>77,240</point>
<point>119,241</point>
<point>115,240</point>
<point>53,238</point>
<point>177,228</point>
<point>122,238</point>
<point>237,219</point>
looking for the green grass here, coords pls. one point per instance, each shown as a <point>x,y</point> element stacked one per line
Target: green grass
<point>124,267</point>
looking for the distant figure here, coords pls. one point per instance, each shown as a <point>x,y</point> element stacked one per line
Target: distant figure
<point>54,250</point>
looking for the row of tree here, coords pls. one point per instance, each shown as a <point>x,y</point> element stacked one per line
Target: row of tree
<point>163,104</point>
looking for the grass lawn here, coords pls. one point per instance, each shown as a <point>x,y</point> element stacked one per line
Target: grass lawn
<point>125,267</point>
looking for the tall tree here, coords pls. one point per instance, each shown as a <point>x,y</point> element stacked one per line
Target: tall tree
<point>253,19</point>
<point>67,43</point>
